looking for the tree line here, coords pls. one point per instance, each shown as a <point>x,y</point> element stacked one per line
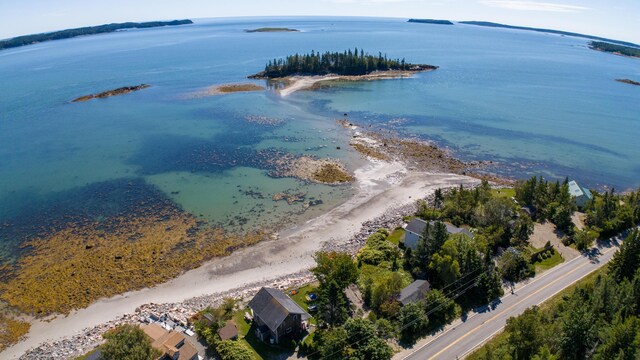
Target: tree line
<point>349,62</point>
<point>89,30</point>
<point>613,48</point>
<point>600,319</point>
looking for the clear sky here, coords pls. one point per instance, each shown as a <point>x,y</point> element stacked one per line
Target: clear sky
<point>618,19</point>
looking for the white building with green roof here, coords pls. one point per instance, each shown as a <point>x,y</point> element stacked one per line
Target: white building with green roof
<point>581,196</point>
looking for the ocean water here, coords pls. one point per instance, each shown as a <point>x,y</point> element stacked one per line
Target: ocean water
<point>533,103</point>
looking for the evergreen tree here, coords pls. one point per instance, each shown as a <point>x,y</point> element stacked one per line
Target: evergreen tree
<point>332,305</point>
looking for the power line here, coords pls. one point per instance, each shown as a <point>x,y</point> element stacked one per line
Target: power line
<point>467,285</point>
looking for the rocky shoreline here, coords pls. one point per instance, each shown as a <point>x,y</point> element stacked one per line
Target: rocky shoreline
<point>90,338</point>
<point>110,93</point>
<point>322,171</point>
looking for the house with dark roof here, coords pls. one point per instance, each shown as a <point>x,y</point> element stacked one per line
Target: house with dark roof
<point>581,196</point>
<point>415,228</point>
<point>276,315</point>
<point>414,292</point>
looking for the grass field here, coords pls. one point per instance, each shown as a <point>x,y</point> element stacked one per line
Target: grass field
<point>506,193</point>
<point>396,236</point>
<point>379,272</point>
<point>549,262</point>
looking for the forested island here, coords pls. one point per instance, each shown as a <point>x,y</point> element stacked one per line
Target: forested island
<point>349,63</point>
<point>615,49</point>
<point>90,30</point>
<point>431,21</point>
<point>271,29</point>
<point>557,32</point>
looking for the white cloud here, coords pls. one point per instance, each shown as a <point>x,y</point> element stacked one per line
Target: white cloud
<point>532,6</point>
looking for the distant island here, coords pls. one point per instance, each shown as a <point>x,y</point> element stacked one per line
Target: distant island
<point>628,81</point>
<point>615,49</point>
<point>348,63</point>
<point>271,29</point>
<point>90,30</point>
<point>557,32</point>
<point>115,92</point>
<point>431,21</point>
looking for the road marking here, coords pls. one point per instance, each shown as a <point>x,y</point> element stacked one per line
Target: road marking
<point>512,306</point>
<point>537,304</point>
<point>534,281</point>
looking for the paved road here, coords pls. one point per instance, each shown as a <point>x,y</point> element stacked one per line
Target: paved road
<point>462,337</point>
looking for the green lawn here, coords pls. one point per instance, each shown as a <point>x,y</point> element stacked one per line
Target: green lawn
<point>506,193</point>
<point>300,298</point>
<point>549,262</point>
<point>396,236</point>
<point>377,273</point>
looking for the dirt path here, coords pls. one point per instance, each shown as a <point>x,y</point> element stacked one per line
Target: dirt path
<point>547,232</point>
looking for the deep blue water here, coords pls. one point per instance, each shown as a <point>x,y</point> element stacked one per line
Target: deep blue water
<point>534,103</point>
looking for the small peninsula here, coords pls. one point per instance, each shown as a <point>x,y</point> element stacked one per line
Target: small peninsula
<point>109,93</point>
<point>550,31</point>
<point>430,21</point>
<point>347,63</point>
<point>271,29</point>
<point>225,89</point>
<point>89,30</point>
<point>628,81</point>
<point>615,49</point>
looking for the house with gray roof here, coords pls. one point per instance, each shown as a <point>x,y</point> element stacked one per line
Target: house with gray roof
<point>415,228</point>
<point>414,292</point>
<point>276,315</point>
<point>581,196</point>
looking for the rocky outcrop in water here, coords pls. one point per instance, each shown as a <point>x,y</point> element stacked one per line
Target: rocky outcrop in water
<point>110,93</point>
<point>628,81</point>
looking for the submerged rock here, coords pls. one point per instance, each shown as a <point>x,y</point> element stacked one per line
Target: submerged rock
<point>115,92</point>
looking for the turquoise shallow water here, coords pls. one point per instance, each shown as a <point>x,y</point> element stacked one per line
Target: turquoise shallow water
<point>535,103</point>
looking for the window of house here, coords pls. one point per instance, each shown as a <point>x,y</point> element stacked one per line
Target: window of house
<point>289,329</point>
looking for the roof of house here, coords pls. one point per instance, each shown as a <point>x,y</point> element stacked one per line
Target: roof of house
<point>229,331</point>
<point>414,292</point>
<point>170,342</point>
<point>272,306</point>
<point>154,331</point>
<point>577,190</point>
<point>417,226</point>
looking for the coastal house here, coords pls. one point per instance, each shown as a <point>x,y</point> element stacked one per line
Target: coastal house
<point>414,292</point>
<point>581,196</point>
<point>172,344</point>
<point>415,228</point>
<point>277,315</point>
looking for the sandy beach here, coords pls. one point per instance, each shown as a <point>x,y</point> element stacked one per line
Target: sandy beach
<point>380,186</point>
<point>297,83</point>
